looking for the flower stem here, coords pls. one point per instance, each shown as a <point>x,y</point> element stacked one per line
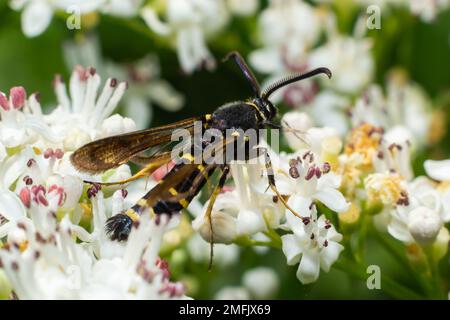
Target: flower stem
<point>401,259</point>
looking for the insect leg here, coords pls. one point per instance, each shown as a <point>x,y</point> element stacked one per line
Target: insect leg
<point>271,179</point>
<point>145,172</point>
<point>208,213</point>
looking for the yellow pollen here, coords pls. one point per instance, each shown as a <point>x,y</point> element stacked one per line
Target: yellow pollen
<point>364,140</point>
<point>23,246</point>
<point>37,151</point>
<point>385,188</point>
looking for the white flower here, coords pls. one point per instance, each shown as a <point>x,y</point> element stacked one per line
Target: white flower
<point>323,141</point>
<point>243,211</point>
<point>55,266</point>
<point>86,111</point>
<point>394,155</point>
<point>21,120</point>
<point>290,25</point>
<point>308,180</point>
<point>329,109</point>
<point>387,188</point>
<point>37,14</point>
<point>428,9</point>
<point>145,85</point>
<point>420,218</point>
<point>404,113</point>
<point>438,170</point>
<point>190,22</point>
<point>288,30</point>
<point>224,255</point>
<point>350,60</point>
<point>261,282</point>
<point>314,243</point>
<point>424,224</point>
<point>12,211</point>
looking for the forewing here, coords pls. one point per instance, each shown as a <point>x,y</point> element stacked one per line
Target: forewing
<point>111,152</point>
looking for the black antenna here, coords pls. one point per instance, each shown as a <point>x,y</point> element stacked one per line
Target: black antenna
<point>294,78</point>
<point>245,70</point>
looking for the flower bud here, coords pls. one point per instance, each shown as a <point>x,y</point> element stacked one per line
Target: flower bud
<point>440,246</point>
<point>223,227</point>
<point>75,139</point>
<point>349,220</point>
<point>424,225</point>
<point>262,283</point>
<point>116,124</point>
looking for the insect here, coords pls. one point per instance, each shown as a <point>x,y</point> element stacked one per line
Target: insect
<point>185,180</point>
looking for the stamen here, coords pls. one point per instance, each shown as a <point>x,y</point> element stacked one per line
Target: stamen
<point>293,172</point>
<point>30,162</point>
<point>25,197</point>
<point>17,96</point>
<point>311,172</point>
<point>27,180</point>
<point>4,103</point>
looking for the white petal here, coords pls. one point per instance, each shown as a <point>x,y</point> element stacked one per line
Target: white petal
<point>17,4</point>
<point>438,170</point>
<point>333,199</point>
<point>152,20</point>
<point>138,109</point>
<point>36,17</point>
<point>399,230</point>
<point>309,268</point>
<point>250,222</point>
<point>291,248</point>
<point>330,180</point>
<point>184,50</point>
<point>267,60</point>
<point>446,205</point>
<point>330,254</point>
<point>165,95</point>
<point>73,187</point>
<point>10,206</point>
<point>5,229</point>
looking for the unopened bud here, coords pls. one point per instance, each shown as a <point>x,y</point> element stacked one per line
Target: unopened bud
<point>424,225</point>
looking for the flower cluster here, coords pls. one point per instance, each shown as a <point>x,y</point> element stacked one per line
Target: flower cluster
<point>46,212</point>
